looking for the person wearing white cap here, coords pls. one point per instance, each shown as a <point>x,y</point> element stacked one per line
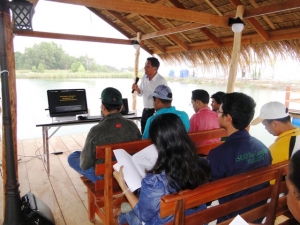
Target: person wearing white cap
<point>162,103</point>
<point>277,121</point>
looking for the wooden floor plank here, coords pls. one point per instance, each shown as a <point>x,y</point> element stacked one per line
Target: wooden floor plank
<point>68,191</point>
<point>62,191</point>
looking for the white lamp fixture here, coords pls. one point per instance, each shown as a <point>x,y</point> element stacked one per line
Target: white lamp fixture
<point>135,44</point>
<point>237,25</point>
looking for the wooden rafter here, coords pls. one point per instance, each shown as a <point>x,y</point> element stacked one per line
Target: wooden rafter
<point>204,30</point>
<point>136,30</point>
<point>266,18</point>
<point>214,7</point>
<point>253,22</point>
<point>212,37</point>
<point>274,35</point>
<point>159,11</point>
<point>172,36</point>
<point>72,37</point>
<point>288,5</point>
<point>154,28</point>
<point>182,34</point>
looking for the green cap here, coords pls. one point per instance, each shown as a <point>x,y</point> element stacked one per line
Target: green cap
<point>111,96</point>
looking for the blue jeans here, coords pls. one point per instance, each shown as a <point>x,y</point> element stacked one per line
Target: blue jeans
<point>74,162</point>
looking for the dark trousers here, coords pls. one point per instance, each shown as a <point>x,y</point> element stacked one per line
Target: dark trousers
<point>146,114</point>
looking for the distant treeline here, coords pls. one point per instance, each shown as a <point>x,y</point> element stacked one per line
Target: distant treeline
<point>50,56</point>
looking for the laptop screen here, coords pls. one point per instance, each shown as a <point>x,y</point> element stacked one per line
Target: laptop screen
<point>125,106</point>
<point>67,102</point>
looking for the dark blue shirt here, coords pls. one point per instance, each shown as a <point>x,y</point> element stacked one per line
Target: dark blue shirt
<point>238,154</point>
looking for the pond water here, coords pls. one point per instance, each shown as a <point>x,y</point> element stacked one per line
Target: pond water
<point>32,101</point>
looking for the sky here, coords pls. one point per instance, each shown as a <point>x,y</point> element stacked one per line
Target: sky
<point>72,19</point>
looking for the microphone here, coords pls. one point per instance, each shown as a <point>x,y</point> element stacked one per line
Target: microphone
<point>136,81</point>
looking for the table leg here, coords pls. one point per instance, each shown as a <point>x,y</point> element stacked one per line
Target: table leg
<point>46,149</point>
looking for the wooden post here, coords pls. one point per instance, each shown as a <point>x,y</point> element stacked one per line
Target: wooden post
<point>235,53</point>
<point>12,201</point>
<point>136,70</point>
<point>287,96</point>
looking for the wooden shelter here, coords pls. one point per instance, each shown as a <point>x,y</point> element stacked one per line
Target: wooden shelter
<point>195,32</point>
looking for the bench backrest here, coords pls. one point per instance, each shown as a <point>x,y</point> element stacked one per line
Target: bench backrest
<point>109,186</point>
<point>177,204</point>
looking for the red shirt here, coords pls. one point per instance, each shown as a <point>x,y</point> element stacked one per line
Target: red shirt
<point>204,119</point>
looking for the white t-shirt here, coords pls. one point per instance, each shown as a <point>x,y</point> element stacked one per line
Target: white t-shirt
<point>147,87</point>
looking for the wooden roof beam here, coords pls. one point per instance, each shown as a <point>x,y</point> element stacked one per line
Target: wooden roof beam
<point>136,30</point>
<point>253,22</point>
<point>149,9</point>
<point>214,7</point>
<point>172,36</point>
<point>266,18</point>
<point>204,30</point>
<point>212,37</point>
<point>72,37</point>
<point>174,30</point>
<point>275,35</point>
<point>284,6</point>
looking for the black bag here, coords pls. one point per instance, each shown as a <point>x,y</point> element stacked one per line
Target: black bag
<point>35,212</point>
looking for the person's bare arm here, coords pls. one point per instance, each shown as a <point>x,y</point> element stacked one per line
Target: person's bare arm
<point>119,176</point>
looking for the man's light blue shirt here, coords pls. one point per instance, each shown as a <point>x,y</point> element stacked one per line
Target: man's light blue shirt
<point>182,115</point>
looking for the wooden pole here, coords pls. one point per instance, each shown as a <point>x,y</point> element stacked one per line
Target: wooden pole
<point>136,70</point>
<point>12,201</point>
<point>235,53</point>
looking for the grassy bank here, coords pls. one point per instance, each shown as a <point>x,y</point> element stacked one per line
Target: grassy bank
<point>250,83</point>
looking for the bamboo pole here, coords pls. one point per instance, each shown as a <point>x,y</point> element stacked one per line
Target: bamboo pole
<point>235,53</point>
<point>136,70</point>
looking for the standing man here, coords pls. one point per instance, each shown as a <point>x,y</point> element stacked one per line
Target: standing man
<point>162,103</point>
<point>112,128</point>
<point>240,152</point>
<point>204,118</point>
<point>277,121</point>
<point>216,100</point>
<point>148,83</point>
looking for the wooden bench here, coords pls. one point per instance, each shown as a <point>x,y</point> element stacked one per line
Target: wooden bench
<point>176,204</point>
<point>105,195</point>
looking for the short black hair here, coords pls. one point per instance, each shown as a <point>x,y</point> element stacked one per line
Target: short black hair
<point>111,107</point>
<point>201,95</point>
<point>294,172</point>
<point>154,62</point>
<point>240,107</point>
<point>217,96</point>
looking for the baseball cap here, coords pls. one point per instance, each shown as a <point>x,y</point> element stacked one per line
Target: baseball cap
<point>162,92</point>
<point>271,111</point>
<point>111,96</point>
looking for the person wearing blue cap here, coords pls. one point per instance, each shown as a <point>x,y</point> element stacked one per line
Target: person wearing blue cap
<point>162,103</point>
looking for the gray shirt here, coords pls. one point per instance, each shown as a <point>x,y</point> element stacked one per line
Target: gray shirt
<point>112,128</point>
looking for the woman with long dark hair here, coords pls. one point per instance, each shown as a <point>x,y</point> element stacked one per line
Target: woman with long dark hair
<point>177,168</point>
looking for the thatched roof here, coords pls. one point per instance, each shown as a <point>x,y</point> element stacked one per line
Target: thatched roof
<point>196,32</point>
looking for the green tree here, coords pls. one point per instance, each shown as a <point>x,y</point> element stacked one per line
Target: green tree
<point>41,68</point>
<point>81,68</point>
<point>75,66</point>
<point>34,69</point>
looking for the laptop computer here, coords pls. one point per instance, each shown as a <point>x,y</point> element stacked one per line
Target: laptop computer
<point>125,110</point>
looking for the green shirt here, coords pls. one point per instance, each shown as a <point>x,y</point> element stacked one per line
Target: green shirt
<point>112,128</point>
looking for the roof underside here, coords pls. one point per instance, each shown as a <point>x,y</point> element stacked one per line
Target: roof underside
<point>174,30</point>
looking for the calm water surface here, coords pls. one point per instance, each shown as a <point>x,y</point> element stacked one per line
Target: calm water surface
<point>32,101</point>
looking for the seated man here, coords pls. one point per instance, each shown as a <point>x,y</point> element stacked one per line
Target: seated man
<point>112,128</point>
<point>277,121</point>
<point>240,152</point>
<point>216,100</point>
<point>162,103</point>
<point>204,118</point>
